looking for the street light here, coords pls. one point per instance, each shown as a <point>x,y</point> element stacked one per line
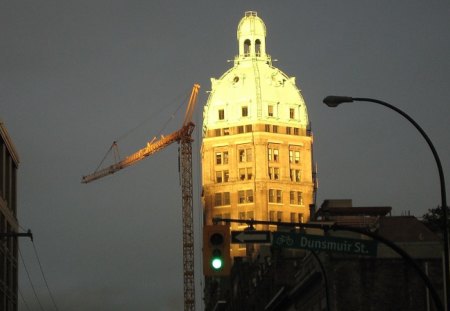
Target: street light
<point>334,101</point>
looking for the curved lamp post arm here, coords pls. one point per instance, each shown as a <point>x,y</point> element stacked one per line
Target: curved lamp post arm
<point>334,101</point>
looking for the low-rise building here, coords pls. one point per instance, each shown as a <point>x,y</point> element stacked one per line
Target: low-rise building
<point>300,279</point>
<point>9,162</point>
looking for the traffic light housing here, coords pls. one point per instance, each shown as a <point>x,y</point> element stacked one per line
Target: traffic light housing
<point>216,250</point>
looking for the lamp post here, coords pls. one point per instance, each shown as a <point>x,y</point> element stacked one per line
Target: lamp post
<point>334,101</point>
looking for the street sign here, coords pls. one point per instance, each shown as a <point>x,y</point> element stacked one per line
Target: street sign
<point>325,243</point>
<point>242,237</point>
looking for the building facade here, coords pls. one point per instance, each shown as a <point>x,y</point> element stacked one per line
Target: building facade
<point>257,142</point>
<point>9,162</point>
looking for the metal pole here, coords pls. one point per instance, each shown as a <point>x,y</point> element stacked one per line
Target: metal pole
<point>334,101</point>
<point>325,278</point>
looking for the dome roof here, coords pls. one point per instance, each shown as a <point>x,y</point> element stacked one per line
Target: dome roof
<point>266,93</point>
<point>251,24</point>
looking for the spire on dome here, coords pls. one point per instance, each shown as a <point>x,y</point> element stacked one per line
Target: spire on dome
<point>251,35</point>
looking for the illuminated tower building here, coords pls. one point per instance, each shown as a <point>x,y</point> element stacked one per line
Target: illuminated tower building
<point>257,143</point>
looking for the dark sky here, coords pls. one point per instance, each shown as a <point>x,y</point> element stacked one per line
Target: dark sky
<point>77,75</point>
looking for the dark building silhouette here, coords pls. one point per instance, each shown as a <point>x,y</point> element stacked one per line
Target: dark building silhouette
<point>9,162</point>
<point>296,279</point>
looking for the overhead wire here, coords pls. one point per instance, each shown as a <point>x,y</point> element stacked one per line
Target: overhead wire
<point>23,299</point>
<point>42,273</point>
<point>29,279</point>
<point>43,276</point>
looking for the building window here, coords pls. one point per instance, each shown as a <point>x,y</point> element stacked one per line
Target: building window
<point>241,215</point>
<point>225,157</point>
<point>250,215</point>
<point>222,176</point>
<point>291,113</point>
<point>271,215</point>
<point>270,111</point>
<point>267,128</point>
<point>294,156</point>
<point>296,218</point>
<point>249,196</point>
<point>249,173</point>
<point>240,129</point>
<point>273,155</point>
<point>245,196</point>
<point>296,175</point>
<point>218,132</point>
<point>275,196</point>
<point>279,216</point>
<point>293,217</point>
<point>218,199</point>
<point>247,45</point>
<point>299,198</point>
<point>242,155</point>
<point>271,196</point>
<point>241,196</point>
<point>242,174</point>
<point>274,173</point>
<point>245,173</point>
<point>221,158</point>
<point>275,128</point>
<point>258,47</point>
<point>296,197</point>
<point>245,111</point>
<point>221,114</point>
<point>226,131</point>
<point>296,131</point>
<point>218,158</point>
<point>245,155</point>
<point>248,128</point>
<point>288,130</point>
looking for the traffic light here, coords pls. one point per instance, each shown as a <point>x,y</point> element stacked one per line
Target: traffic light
<point>216,250</point>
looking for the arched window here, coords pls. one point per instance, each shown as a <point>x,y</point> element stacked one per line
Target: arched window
<point>258,47</point>
<point>247,45</point>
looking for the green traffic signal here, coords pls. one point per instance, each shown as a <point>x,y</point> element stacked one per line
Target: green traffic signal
<point>217,263</point>
<point>216,250</point>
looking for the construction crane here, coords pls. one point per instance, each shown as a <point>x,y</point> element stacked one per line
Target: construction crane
<point>183,137</point>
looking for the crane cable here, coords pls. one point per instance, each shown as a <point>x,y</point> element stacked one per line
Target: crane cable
<point>115,146</point>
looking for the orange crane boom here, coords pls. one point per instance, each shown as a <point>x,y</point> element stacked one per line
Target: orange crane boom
<point>152,146</point>
<point>183,137</point>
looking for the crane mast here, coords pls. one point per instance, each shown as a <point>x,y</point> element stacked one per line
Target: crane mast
<point>183,137</point>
